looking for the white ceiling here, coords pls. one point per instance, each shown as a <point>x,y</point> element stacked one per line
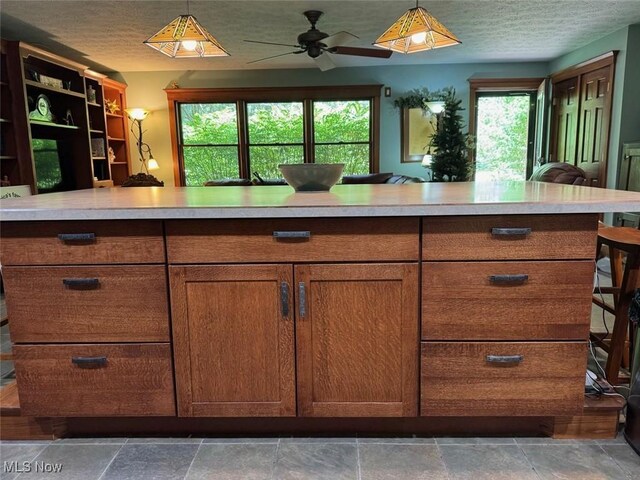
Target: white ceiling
<point>108,34</point>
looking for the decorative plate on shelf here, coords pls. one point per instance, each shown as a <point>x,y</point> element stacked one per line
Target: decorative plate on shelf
<point>42,110</point>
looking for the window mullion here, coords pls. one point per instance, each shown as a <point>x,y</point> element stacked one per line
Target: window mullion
<point>309,146</point>
<point>243,139</point>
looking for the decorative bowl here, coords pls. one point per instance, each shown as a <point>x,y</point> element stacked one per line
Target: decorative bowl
<point>312,177</point>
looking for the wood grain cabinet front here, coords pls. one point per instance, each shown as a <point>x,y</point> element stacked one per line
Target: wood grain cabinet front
<point>357,340</point>
<point>509,237</point>
<point>523,300</point>
<point>355,344</point>
<point>233,340</point>
<point>299,240</point>
<point>502,378</point>
<point>87,304</point>
<point>95,380</point>
<point>82,243</point>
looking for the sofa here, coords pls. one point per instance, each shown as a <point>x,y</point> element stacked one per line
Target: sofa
<point>559,172</point>
<point>369,178</point>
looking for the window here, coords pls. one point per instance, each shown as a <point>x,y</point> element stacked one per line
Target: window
<point>234,133</point>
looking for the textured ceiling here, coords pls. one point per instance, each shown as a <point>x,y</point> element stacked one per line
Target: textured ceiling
<point>108,35</point>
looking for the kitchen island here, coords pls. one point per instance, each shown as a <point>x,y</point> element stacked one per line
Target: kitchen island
<point>369,301</point>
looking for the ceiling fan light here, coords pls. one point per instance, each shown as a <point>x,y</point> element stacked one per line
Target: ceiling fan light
<point>184,37</point>
<point>416,31</point>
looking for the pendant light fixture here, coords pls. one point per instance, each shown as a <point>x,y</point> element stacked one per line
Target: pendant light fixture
<point>415,31</point>
<point>184,37</point>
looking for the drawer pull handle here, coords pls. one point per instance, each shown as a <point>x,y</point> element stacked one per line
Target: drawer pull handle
<point>294,234</point>
<point>303,299</point>
<point>81,283</point>
<point>284,299</point>
<point>89,362</point>
<point>510,231</point>
<point>509,279</point>
<point>77,237</point>
<point>502,359</point>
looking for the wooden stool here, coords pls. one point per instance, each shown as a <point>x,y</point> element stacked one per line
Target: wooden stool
<point>620,240</point>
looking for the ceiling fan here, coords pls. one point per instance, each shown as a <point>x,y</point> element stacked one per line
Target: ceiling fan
<point>314,43</point>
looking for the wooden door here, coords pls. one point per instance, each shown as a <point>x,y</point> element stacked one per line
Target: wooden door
<point>357,340</point>
<point>594,125</point>
<point>540,138</point>
<point>233,340</point>
<point>565,111</point>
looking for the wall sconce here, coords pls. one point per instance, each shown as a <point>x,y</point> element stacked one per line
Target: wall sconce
<point>147,162</point>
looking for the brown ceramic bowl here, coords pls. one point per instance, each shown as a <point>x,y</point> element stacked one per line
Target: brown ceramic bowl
<point>312,177</point>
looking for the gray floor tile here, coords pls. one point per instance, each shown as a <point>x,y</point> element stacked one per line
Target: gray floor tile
<point>244,461</point>
<point>392,462</point>
<point>475,441</point>
<point>579,461</point>
<point>316,461</point>
<point>397,440</point>
<point>6,367</point>
<point>78,462</point>
<point>479,462</point>
<point>552,441</point>
<point>625,457</point>
<point>349,440</point>
<point>13,454</point>
<point>92,441</point>
<point>5,343</point>
<point>161,440</point>
<point>151,461</point>
<point>225,440</point>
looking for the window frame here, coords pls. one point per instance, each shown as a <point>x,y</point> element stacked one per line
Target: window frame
<point>242,96</point>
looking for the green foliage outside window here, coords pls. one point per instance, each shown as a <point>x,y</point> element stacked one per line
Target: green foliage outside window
<point>502,133</point>
<point>275,136</point>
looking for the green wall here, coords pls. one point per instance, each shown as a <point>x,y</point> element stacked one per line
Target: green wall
<point>146,90</point>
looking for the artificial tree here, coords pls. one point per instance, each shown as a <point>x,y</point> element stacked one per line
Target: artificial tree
<point>451,158</point>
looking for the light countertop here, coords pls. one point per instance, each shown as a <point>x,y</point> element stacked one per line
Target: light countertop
<point>419,199</point>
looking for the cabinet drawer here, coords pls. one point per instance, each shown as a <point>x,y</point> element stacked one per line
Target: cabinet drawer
<point>95,380</point>
<point>90,242</point>
<point>509,237</point>
<point>506,300</point>
<point>87,304</point>
<point>469,379</point>
<point>299,240</point>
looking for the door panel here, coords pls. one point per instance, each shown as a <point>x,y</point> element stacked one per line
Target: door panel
<point>594,125</point>
<point>233,340</point>
<point>357,339</point>
<point>565,99</point>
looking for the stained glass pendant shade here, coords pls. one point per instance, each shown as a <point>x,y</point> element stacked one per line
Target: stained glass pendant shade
<point>415,31</point>
<point>184,37</point>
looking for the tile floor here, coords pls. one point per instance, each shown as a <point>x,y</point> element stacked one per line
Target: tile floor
<point>323,459</point>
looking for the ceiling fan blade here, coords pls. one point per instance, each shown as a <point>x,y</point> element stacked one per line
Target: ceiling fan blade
<point>324,62</point>
<point>340,38</point>
<point>361,52</point>
<point>272,43</point>
<point>272,56</point>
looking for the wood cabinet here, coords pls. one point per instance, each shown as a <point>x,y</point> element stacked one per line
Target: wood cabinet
<point>56,137</point>
<point>521,284</point>
<point>356,324</point>
<point>439,316</point>
<point>117,130</point>
<point>89,317</point>
<point>357,340</point>
<point>233,334</point>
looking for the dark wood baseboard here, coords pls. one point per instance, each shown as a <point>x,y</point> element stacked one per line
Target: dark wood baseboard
<point>169,426</point>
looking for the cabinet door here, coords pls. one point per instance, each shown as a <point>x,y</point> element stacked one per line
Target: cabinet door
<point>357,340</point>
<point>233,340</point>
